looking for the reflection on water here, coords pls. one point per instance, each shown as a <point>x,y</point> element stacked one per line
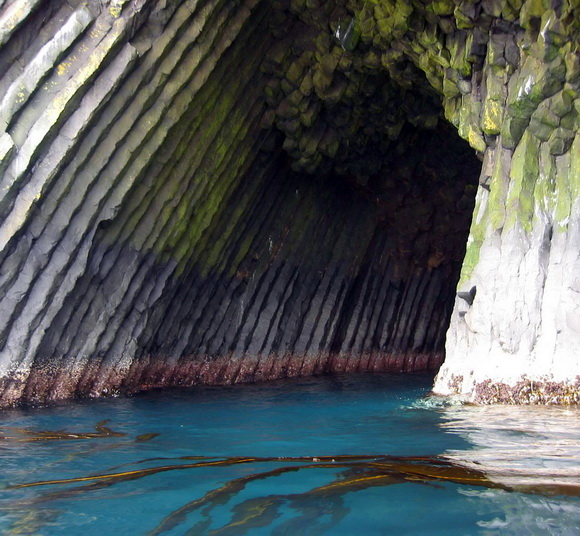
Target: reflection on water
<point>521,514</point>
<point>522,446</point>
<point>340,456</point>
<point>528,449</point>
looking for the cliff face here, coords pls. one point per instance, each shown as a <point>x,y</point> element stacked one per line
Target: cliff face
<point>230,191</point>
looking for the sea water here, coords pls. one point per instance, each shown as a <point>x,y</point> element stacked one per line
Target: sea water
<point>338,455</point>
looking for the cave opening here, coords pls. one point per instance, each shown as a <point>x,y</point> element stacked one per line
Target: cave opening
<point>337,247</point>
<point>357,135</point>
<point>235,193</point>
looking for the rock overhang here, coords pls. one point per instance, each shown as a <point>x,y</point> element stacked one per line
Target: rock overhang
<point>218,192</point>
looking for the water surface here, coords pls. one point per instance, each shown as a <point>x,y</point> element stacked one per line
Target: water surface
<point>338,455</point>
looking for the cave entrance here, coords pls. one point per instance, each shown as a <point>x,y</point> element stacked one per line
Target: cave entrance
<point>239,192</point>
<point>339,248</point>
<point>365,127</point>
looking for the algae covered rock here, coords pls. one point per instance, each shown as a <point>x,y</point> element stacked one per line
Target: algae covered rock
<point>219,192</point>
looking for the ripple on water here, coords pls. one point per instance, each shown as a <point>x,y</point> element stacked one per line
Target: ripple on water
<point>519,446</point>
<point>339,455</point>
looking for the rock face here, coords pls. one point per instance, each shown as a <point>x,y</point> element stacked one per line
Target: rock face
<point>213,192</point>
<point>519,339</point>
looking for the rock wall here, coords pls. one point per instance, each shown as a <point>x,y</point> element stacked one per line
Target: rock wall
<point>507,75</point>
<point>157,229</point>
<point>516,338</point>
<point>210,191</point>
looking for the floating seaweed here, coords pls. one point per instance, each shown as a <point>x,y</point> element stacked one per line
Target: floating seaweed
<point>25,435</point>
<point>361,473</point>
<point>143,438</point>
<point>350,473</point>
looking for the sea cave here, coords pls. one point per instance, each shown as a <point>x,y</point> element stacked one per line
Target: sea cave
<point>209,192</point>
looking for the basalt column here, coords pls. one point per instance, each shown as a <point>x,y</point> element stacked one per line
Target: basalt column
<point>138,112</point>
<point>507,75</point>
<point>212,192</point>
<point>515,330</point>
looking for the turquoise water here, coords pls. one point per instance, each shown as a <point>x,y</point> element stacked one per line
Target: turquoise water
<point>338,455</point>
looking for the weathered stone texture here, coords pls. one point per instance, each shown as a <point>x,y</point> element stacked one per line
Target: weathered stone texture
<point>522,253</point>
<point>154,233</point>
<point>227,191</point>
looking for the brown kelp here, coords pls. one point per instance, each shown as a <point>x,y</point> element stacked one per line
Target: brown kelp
<point>26,435</point>
<point>357,473</point>
<point>348,473</point>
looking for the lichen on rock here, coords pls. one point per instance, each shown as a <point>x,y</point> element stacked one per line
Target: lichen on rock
<point>226,191</point>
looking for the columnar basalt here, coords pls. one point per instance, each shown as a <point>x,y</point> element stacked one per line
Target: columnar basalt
<point>212,192</point>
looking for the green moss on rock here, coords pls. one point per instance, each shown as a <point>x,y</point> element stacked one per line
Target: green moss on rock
<point>524,174</point>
